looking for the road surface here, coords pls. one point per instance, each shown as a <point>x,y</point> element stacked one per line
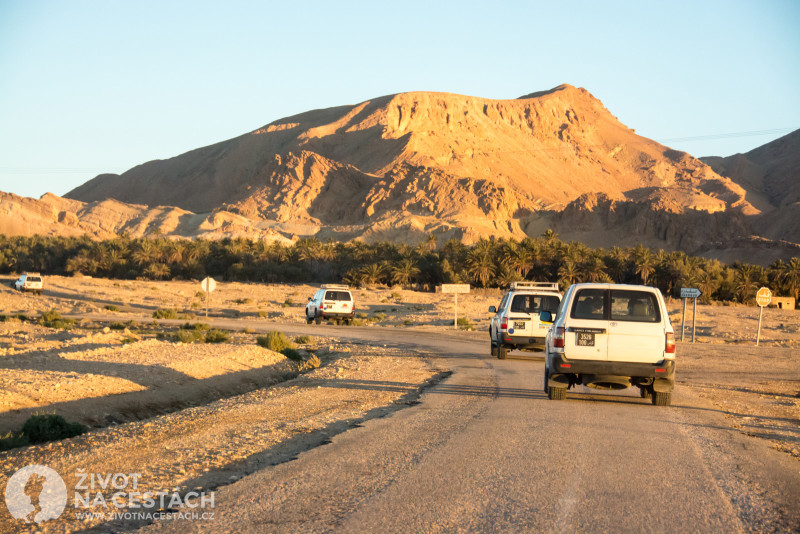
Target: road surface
<point>485,450</point>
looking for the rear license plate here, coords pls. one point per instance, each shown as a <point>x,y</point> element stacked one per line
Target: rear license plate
<point>519,325</point>
<point>585,339</point>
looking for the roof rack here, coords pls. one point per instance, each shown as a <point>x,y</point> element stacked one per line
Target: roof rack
<point>334,286</point>
<point>534,285</point>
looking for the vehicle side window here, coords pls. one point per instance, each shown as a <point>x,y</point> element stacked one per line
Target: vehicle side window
<point>549,303</point>
<point>503,302</point>
<point>635,306</point>
<point>589,304</point>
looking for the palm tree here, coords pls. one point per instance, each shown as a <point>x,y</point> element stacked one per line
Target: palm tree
<point>790,276</point>
<point>745,282</point>
<point>645,263</point>
<point>405,271</point>
<point>480,265</point>
<point>371,274</point>
<point>567,273</point>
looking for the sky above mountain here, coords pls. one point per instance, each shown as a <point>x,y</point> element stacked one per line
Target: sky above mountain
<point>92,86</point>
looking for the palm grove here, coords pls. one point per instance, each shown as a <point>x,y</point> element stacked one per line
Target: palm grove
<point>487,263</point>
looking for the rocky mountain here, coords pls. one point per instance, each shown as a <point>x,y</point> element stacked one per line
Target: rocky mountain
<point>403,166</point>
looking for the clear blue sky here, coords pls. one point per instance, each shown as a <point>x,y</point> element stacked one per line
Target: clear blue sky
<point>97,86</point>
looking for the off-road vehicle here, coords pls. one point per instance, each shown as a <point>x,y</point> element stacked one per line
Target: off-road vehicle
<point>517,322</point>
<point>331,302</point>
<point>30,282</point>
<point>609,336</point>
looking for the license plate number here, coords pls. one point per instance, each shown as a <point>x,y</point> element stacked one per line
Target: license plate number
<point>519,325</point>
<point>585,339</point>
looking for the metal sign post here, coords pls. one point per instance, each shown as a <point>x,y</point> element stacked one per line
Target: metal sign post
<point>208,284</point>
<point>763,298</point>
<point>455,289</point>
<point>689,293</point>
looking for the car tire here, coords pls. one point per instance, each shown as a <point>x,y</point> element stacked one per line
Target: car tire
<point>309,319</point>
<point>546,379</point>
<point>502,352</point>
<point>662,398</point>
<point>645,393</point>
<point>556,393</point>
<point>318,319</point>
<point>492,348</point>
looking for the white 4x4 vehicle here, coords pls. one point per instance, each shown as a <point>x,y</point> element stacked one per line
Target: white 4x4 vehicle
<point>331,302</point>
<point>517,321</point>
<point>30,282</point>
<point>609,336</point>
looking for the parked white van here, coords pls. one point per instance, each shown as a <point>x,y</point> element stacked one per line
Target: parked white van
<point>610,336</point>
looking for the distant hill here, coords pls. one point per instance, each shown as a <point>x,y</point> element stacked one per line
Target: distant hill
<point>401,167</point>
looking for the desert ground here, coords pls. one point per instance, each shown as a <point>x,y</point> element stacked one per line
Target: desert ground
<point>121,373</point>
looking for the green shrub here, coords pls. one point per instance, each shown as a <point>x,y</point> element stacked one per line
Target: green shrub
<point>288,301</point>
<point>358,322</point>
<point>395,295</point>
<point>407,322</point>
<point>200,295</point>
<point>362,315</point>
<point>195,326</point>
<point>243,301</point>
<point>292,354</point>
<point>216,336</point>
<point>378,317</point>
<point>165,313</point>
<point>465,323</point>
<point>111,307</point>
<point>116,325</point>
<point>275,341</point>
<point>263,314</point>
<point>53,319</point>
<point>187,336</point>
<point>12,440</point>
<point>41,428</point>
<point>303,340</point>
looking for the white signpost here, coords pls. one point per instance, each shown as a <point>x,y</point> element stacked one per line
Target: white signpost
<point>690,293</point>
<point>763,298</point>
<point>208,284</point>
<point>455,289</point>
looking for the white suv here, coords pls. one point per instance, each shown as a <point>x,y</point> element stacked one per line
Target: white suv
<point>517,321</point>
<point>30,282</point>
<point>331,302</point>
<point>609,336</point>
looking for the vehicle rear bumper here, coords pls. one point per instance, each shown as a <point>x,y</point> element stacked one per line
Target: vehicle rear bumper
<point>523,342</point>
<point>560,364</point>
<point>338,315</point>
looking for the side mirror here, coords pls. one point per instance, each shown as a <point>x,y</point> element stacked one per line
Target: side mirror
<point>309,299</point>
<point>492,309</point>
<point>546,316</point>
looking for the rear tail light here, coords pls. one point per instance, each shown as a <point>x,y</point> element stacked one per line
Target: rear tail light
<point>558,338</point>
<point>669,346</point>
<point>321,306</point>
<point>504,323</point>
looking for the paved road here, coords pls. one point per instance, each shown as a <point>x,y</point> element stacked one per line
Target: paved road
<point>485,450</point>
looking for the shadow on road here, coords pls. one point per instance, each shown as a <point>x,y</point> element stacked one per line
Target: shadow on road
<point>440,389</point>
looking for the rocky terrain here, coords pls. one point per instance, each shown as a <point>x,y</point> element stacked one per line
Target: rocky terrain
<point>404,166</point>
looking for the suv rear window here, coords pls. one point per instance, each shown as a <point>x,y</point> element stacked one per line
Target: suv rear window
<point>534,303</point>
<point>636,306</point>
<point>337,295</point>
<point>589,304</point>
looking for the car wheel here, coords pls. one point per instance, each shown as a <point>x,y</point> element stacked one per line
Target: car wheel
<point>318,319</point>
<point>662,399</point>
<point>309,319</point>
<point>645,392</point>
<point>502,352</point>
<point>556,393</point>
<point>546,378</point>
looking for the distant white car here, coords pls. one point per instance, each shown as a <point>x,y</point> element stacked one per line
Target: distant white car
<point>30,282</point>
<point>517,322</point>
<point>331,302</point>
<point>609,336</point>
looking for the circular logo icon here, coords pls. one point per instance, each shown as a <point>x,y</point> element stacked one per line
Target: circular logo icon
<point>36,493</point>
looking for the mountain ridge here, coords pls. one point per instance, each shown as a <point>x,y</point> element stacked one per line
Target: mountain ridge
<point>400,167</point>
